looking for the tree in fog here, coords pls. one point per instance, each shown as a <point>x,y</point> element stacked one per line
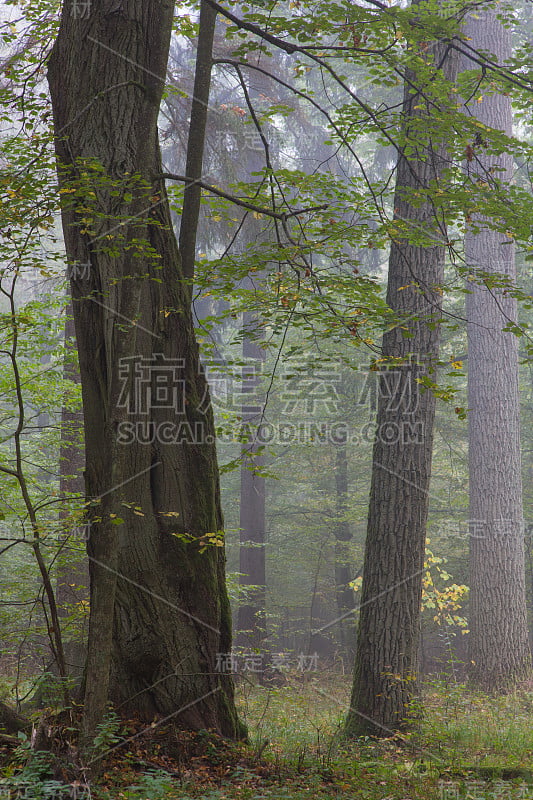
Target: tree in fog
<point>159,609</point>
<point>499,644</point>
<point>387,647</point>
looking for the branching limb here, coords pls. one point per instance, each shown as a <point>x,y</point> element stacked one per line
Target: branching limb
<point>241,201</point>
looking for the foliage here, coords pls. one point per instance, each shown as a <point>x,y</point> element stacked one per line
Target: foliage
<point>440,597</point>
<point>467,742</point>
<point>330,117</point>
<point>107,734</point>
<point>33,778</point>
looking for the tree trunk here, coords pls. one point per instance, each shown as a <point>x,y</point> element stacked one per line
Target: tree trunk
<point>196,140</point>
<point>73,573</point>
<point>251,614</point>
<point>159,608</point>
<point>343,535</point>
<point>499,646</point>
<point>387,648</point>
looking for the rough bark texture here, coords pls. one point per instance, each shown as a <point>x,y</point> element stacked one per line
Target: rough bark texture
<point>499,646</point>
<point>387,648</point>
<point>159,609</point>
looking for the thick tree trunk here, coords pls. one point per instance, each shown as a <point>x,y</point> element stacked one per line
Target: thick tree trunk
<point>387,648</point>
<point>499,645</point>
<point>159,609</point>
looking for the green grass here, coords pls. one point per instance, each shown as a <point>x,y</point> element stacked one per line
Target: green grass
<point>302,715</point>
<point>467,746</point>
<point>458,725</point>
<point>464,726</point>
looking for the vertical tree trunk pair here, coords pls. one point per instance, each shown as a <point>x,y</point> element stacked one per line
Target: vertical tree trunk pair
<point>386,662</point>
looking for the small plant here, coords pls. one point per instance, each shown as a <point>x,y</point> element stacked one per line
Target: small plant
<point>108,735</point>
<point>443,600</point>
<point>153,785</point>
<point>440,597</point>
<point>34,780</point>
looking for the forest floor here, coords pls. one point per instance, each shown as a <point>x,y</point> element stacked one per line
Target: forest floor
<point>466,746</point>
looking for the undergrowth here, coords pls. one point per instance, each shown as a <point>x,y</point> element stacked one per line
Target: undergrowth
<point>466,746</point>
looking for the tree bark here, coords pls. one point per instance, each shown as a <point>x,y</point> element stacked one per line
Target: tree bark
<point>387,649</point>
<point>196,140</point>
<point>159,608</point>
<point>499,644</point>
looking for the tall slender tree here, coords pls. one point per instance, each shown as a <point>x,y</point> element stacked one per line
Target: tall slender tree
<point>499,642</point>
<point>344,593</point>
<point>251,622</point>
<point>387,647</point>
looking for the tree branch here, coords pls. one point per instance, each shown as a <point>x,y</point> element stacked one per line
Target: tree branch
<point>288,47</point>
<point>241,201</point>
<point>196,139</point>
<point>291,47</point>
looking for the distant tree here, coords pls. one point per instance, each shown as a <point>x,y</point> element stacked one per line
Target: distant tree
<point>251,620</point>
<point>343,568</point>
<point>499,642</point>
